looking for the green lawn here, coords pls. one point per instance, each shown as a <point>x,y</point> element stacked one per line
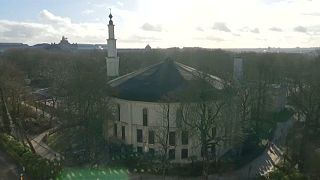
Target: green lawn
<point>96,174</point>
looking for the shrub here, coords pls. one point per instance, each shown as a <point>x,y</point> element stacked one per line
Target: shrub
<point>36,167</point>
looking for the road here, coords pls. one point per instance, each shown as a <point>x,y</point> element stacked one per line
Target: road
<point>8,168</point>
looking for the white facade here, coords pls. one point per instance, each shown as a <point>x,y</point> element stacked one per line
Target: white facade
<point>112,66</point>
<point>131,120</point>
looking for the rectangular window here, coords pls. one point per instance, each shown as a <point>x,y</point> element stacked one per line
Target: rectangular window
<point>172,154</point>
<point>115,130</point>
<point>179,118</point>
<point>214,132</point>
<point>139,135</point>
<point>201,152</point>
<point>184,153</point>
<point>151,137</point>
<point>172,138</point>
<point>151,151</point>
<point>123,133</point>
<point>139,150</point>
<point>118,112</point>
<point>145,116</point>
<point>184,138</point>
<point>212,151</point>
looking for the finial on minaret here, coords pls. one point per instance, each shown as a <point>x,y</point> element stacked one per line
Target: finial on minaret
<point>110,16</point>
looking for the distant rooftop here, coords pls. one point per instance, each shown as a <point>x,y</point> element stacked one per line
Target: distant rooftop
<point>5,46</point>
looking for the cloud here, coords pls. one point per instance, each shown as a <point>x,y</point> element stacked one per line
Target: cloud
<point>120,3</point>
<point>255,30</point>
<point>199,29</point>
<point>261,39</point>
<point>315,28</point>
<point>87,11</point>
<point>49,18</point>
<point>216,39</point>
<point>312,14</point>
<point>139,39</point>
<point>49,29</point>
<point>277,1</point>
<point>276,29</point>
<point>300,29</point>
<point>251,30</point>
<point>150,27</point>
<point>220,26</point>
<point>11,30</point>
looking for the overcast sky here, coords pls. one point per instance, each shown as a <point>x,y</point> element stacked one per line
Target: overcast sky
<point>164,23</point>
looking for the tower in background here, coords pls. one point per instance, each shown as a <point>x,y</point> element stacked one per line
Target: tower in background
<point>112,60</point>
<point>237,70</point>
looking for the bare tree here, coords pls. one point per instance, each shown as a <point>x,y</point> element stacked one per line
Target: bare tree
<point>12,91</point>
<point>85,106</point>
<point>305,97</point>
<point>162,134</point>
<point>202,112</point>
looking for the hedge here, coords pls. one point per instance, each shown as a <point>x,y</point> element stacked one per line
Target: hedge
<point>36,167</point>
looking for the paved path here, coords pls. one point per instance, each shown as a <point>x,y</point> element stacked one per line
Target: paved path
<point>43,149</point>
<point>40,147</point>
<point>37,110</point>
<point>8,168</point>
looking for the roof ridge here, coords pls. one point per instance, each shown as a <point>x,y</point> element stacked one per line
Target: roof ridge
<point>119,80</point>
<point>217,82</point>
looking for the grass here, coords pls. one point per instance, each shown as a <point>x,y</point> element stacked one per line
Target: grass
<point>96,174</point>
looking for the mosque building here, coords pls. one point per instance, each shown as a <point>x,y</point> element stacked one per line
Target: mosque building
<point>139,100</point>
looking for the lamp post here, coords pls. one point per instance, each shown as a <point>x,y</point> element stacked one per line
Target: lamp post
<point>22,173</point>
<point>145,147</point>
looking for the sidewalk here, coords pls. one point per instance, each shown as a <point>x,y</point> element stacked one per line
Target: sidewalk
<point>40,147</point>
<point>43,149</point>
<point>37,110</point>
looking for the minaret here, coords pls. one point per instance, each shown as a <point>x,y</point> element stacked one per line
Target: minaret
<point>112,60</point>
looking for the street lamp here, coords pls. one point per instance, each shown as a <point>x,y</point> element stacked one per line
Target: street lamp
<point>145,147</point>
<point>22,173</point>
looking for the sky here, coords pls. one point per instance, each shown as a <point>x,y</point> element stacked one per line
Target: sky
<point>164,23</point>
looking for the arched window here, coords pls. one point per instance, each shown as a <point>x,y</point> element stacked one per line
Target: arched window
<point>118,112</point>
<point>145,116</point>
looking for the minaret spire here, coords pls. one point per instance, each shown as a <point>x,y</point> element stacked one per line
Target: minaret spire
<point>112,59</point>
<point>110,16</point>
